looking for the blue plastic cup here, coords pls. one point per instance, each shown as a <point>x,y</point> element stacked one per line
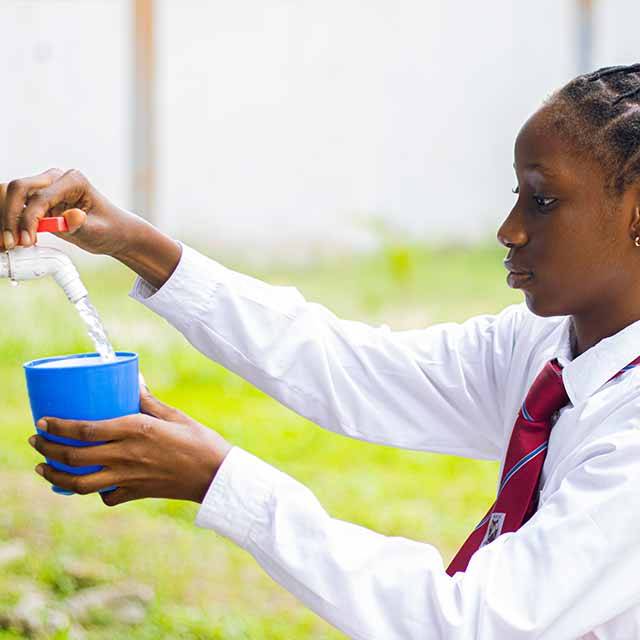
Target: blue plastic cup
<point>85,389</point>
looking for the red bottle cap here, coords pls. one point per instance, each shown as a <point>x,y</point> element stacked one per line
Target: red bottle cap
<point>56,223</point>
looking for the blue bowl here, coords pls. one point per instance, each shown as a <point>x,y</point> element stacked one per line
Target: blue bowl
<point>91,391</point>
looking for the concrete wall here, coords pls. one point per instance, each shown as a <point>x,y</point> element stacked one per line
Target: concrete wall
<point>66,89</point>
<point>285,127</point>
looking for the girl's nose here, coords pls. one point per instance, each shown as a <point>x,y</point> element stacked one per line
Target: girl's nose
<point>512,233</point>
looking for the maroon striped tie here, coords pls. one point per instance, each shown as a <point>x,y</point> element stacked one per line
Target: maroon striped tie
<point>523,464</point>
<point>517,495</point>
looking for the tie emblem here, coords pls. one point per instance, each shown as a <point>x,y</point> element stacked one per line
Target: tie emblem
<point>494,529</point>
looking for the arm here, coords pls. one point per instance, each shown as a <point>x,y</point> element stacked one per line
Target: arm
<point>437,389</point>
<point>572,567</point>
<point>150,253</point>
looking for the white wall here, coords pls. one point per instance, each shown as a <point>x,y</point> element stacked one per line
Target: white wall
<point>286,120</point>
<point>617,40</point>
<point>282,124</point>
<point>66,89</point>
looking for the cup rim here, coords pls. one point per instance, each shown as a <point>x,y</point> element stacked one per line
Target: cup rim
<point>127,356</point>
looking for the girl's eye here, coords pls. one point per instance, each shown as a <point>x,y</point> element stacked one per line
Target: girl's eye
<point>543,202</point>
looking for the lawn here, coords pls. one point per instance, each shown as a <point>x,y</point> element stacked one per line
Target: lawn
<point>205,588</point>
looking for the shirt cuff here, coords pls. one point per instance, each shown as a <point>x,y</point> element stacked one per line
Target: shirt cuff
<point>237,501</point>
<point>187,294</point>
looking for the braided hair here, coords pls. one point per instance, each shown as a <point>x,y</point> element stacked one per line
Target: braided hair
<point>599,114</point>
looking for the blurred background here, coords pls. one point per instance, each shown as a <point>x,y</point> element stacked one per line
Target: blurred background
<point>288,125</point>
<point>360,151</point>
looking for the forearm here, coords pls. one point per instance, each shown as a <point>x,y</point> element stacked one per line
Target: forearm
<point>368,585</point>
<point>369,383</point>
<point>152,254</point>
<point>376,587</point>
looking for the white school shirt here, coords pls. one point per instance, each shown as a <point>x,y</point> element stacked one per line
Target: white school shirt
<point>572,571</point>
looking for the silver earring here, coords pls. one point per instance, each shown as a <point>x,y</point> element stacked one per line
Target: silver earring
<point>637,241</point>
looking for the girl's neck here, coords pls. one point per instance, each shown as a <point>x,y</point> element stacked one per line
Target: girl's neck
<point>586,330</point>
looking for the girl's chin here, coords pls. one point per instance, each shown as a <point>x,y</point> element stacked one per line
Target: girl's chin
<point>544,308</point>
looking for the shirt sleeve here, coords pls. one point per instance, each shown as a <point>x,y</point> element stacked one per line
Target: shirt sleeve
<point>438,389</point>
<point>570,568</point>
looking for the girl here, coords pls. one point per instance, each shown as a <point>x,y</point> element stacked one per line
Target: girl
<point>548,387</point>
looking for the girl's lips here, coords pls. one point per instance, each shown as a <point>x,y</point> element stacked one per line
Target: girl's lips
<point>518,279</point>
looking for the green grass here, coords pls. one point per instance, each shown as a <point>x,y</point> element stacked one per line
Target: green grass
<point>205,587</point>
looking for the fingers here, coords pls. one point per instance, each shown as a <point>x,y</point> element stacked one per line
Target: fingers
<point>71,189</point>
<point>120,495</point>
<point>75,219</point>
<point>102,454</point>
<point>93,431</point>
<point>3,197</point>
<point>13,197</point>
<point>89,483</point>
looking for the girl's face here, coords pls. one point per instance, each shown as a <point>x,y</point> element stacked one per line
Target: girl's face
<point>571,248</point>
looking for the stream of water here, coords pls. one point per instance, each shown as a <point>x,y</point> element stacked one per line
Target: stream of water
<point>93,323</point>
<point>95,329</point>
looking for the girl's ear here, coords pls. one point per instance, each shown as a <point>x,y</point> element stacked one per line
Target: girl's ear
<point>627,204</point>
<point>634,227</point>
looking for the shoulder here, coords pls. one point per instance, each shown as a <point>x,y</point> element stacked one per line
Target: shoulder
<point>518,317</point>
<point>538,324</point>
<point>496,336</point>
<point>520,326</point>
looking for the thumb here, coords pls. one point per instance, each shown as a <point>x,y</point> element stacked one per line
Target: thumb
<point>150,405</point>
<point>75,219</point>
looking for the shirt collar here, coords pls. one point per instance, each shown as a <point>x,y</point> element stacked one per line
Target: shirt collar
<point>584,375</point>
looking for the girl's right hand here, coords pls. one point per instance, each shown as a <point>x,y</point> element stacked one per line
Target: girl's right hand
<point>95,224</point>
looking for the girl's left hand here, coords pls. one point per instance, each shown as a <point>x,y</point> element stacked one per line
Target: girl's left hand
<point>158,453</point>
